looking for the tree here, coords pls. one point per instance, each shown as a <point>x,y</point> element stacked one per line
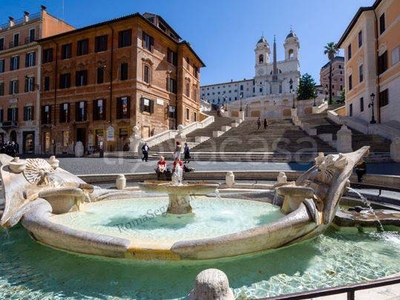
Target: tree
<point>331,49</point>
<point>306,88</point>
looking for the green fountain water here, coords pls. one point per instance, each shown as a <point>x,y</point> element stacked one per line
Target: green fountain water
<point>29,270</point>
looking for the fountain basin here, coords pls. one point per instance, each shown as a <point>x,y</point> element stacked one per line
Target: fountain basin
<point>47,228</point>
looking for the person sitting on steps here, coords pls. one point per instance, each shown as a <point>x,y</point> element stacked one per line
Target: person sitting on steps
<point>162,169</point>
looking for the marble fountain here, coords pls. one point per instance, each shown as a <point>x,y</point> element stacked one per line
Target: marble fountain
<point>54,205</point>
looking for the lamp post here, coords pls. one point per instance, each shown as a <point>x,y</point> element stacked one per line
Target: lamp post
<point>371,105</point>
<point>315,96</point>
<point>291,91</point>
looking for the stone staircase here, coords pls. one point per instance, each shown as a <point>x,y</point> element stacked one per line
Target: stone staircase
<point>217,128</point>
<point>324,125</point>
<point>280,141</point>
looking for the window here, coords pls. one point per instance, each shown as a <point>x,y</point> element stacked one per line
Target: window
<point>29,84</point>
<point>172,85</point>
<point>46,114</point>
<point>384,98</point>
<point>81,78</point>
<point>350,82</point>
<point>12,114</point>
<point>80,111</point>
<point>82,47</point>
<point>361,104</point>
<point>13,87</point>
<point>360,41</point>
<point>14,63</point>
<point>351,109</point>
<point>349,52</point>
<point>64,112</point>
<point>187,89</point>
<point>146,75</point>
<point>194,93</point>
<point>47,83</point>
<point>195,117</point>
<point>196,72</point>
<point>124,71</point>
<point>28,113</point>
<point>361,73</point>
<point>100,74</point>
<point>1,88</point>
<point>1,44</point>
<point>146,105</point>
<point>148,42</point>
<point>65,81</point>
<point>382,63</point>
<point>261,59</point>
<point>32,35</point>
<point>48,55</point>
<point>66,51</point>
<point>99,110</point>
<point>395,56</point>
<point>1,115</point>
<point>382,23</point>
<point>30,59</point>
<point>172,57</point>
<point>125,38</point>
<point>171,111</point>
<point>187,114</point>
<point>187,63</point>
<point>101,43</point>
<point>2,65</point>
<point>16,40</point>
<point>123,108</point>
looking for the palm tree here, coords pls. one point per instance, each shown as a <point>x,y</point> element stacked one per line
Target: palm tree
<point>331,49</point>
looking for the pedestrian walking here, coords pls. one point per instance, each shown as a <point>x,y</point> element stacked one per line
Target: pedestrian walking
<point>177,151</point>
<point>145,151</point>
<point>265,123</point>
<point>258,123</point>
<point>186,153</point>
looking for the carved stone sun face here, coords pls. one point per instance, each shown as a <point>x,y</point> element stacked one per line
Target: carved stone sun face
<point>36,170</point>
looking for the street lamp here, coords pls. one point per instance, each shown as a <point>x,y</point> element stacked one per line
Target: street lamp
<point>371,105</point>
<point>291,90</point>
<point>315,95</point>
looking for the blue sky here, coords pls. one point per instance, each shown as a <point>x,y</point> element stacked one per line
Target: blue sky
<point>222,32</point>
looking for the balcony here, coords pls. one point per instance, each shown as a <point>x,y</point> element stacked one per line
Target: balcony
<point>9,124</point>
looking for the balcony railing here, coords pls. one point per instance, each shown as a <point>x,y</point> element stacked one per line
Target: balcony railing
<point>21,21</point>
<point>9,124</point>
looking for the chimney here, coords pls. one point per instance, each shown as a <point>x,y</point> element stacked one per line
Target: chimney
<point>26,16</point>
<point>43,7</point>
<point>11,22</point>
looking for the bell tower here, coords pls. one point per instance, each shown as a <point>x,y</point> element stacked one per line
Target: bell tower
<point>262,53</point>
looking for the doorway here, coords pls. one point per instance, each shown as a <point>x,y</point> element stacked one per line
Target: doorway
<point>81,136</point>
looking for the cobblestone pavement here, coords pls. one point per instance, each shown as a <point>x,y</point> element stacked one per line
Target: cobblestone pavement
<point>90,165</point>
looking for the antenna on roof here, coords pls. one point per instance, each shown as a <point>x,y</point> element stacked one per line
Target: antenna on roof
<point>63,17</point>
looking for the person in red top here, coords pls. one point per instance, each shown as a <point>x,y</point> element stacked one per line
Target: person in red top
<point>176,161</point>
<point>161,167</point>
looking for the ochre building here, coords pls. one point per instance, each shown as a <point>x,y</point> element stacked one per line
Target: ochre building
<point>371,44</point>
<point>20,59</point>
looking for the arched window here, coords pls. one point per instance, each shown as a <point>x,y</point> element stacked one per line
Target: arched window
<point>261,59</point>
<point>291,54</point>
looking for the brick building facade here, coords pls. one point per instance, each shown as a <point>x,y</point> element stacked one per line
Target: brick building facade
<point>102,80</point>
<point>337,77</point>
